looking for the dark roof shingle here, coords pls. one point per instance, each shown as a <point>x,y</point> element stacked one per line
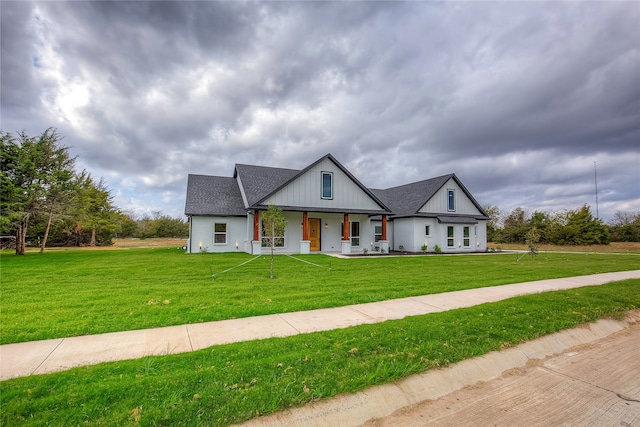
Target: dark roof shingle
<point>259,181</point>
<point>406,200</point>
<point>213,195</point>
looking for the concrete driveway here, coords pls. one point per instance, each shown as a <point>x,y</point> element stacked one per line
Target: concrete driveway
<point>591,385</point>
<point>588,376</point>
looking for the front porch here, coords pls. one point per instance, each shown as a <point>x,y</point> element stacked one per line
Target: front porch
<point>324,232</point>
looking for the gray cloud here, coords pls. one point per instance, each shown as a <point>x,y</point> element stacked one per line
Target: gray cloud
<point>519,99</point>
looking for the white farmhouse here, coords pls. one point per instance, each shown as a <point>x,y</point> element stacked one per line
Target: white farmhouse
<point>329,210</point>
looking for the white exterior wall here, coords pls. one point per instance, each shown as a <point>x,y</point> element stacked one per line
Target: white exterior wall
<point>439,202</point>
<point>477,237</point>
<point>480,238</point>
<point>240,230</point>
<point>331,231</point>
<point>202,234</point>
<point>403,234</point>
<point>306,191</point>
<point>410,232</point>
<point>390,232</point>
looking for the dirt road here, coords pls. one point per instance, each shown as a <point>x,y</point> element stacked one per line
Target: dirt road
<point>592,385</point>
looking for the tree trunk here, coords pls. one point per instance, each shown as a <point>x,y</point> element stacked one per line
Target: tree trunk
<point>77,230</point>
<point>21,236</point>
<point>272,244</point>
<point>46,232</point>
<point>93,237</point>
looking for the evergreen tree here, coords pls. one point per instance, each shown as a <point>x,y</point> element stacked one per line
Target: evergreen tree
<point>35,177</point>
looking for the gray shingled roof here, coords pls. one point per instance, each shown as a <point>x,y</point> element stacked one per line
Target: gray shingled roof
<point>213,195</point>
<point>260,181</point>
<point>406,200</point>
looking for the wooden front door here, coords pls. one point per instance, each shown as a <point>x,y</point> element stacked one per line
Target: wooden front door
<point>314,234</point>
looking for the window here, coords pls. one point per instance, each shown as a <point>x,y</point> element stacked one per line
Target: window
<point>279,240</point>
<point>377,233</point>
<point>220,233</point>
<point>355,234</point>
<point>465,235</point>
<point>450,237</point>
<point>327,185</point>
<point>451,200</point>
<point>427,230</point>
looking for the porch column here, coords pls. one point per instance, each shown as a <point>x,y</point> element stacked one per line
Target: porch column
<point>384,228</point>
<point>305,244</point>
<point>345,227</point>
<point>256,243</point>
<point>256,225</point>
<point>384,243</point>
<point>346,242</point>
<point>305,226</point>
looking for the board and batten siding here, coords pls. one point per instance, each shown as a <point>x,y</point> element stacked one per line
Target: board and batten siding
<point>439,202</point>
<point>306,190</point>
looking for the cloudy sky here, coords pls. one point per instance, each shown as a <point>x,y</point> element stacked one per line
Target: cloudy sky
<point>518,99</point>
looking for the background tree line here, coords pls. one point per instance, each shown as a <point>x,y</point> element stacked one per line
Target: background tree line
<point>44,200</point>
<point>570,227</point>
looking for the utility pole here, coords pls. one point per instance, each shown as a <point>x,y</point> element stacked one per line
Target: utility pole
<point>595,173</point>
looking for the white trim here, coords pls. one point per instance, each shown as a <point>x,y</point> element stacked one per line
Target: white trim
<point>219,233</point>
<point>449,192</point>
<point>322,175</point>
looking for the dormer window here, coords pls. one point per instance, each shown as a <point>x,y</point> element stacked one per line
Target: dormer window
<point>451,200</point>
<point>327,185</point>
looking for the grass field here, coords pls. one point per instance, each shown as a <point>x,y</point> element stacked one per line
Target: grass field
<point>228,384</point>
<point>76,292</point>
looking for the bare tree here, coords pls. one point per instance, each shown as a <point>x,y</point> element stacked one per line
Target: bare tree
<point>273,226</point>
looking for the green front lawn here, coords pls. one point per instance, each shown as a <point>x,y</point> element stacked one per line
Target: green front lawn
<point>227,384</point>
<point>78,292</point>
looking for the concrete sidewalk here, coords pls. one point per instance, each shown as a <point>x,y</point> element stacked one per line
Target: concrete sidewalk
<point>39,357</point>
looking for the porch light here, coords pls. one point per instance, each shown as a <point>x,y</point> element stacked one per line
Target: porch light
<point>326,226</point>
<point>236,245</point>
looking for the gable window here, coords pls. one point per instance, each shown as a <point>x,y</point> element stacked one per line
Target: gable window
<point>450,237</point>
<point>355,234</point>
<point>220,233</point>
<point>451,200</point>
<point>465,235</point>
<point>427,230</point>
<point>327,185</point>
<point>377,233</point>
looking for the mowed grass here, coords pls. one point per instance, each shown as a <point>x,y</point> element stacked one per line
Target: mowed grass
<point>232,383</point>
<point>75,292</point>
